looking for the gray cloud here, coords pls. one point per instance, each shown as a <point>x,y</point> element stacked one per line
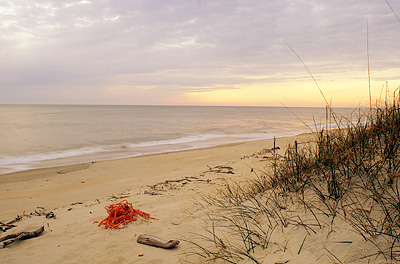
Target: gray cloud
<point>185,44</point>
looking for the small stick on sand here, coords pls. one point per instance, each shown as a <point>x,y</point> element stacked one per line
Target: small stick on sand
<point>5,226</point>
<point>20,236</point>
<point>157,242</point>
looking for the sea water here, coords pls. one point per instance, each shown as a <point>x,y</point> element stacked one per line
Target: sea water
<point>36,136</point>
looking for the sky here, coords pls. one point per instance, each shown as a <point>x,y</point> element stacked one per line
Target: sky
<point>197,52</point>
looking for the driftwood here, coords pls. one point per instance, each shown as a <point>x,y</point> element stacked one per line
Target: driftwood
<point>221,169</point>
<point>9,239</point>
<point>5,226</point>
<point>157,242</point>
<point>10,224</point>
<point>186,180</point>
<point>50,215</point>
<point>16,219</point>
<point>173,184</point>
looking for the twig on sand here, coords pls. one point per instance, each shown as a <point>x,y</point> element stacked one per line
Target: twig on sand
<point>20,236</point>
<point>221,169</point>
<point>173,184</point>
<point>5,226</point>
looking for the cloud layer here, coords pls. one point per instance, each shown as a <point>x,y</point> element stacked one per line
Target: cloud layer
<point>152,51</point>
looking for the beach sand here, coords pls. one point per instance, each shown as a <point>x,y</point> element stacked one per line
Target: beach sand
<point>77,196</point>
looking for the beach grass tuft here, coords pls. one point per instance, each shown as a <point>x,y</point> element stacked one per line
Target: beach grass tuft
<point>349,171</point>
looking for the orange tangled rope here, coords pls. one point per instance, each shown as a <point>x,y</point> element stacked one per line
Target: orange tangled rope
<point>121,213</point>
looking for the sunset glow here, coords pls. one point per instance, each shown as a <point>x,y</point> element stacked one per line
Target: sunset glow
<point>196,52</point>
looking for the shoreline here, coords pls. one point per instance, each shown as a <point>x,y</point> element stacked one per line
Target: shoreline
<point>51,169</point>
<point>124,151</point>
<point>100,172</point>
<point>163,185</point>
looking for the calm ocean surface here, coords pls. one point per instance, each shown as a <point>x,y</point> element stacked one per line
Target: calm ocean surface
<point>35,136</point>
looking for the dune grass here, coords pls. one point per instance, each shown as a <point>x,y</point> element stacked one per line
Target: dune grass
<point>348,173</point>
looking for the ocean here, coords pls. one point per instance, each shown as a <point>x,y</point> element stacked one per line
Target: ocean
<point>38,136</point>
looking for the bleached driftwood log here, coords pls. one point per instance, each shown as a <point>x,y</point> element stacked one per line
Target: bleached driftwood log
<point>157,242</point>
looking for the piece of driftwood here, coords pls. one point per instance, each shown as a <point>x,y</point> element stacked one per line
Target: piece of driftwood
<point>5,226</point>
<point>16,219</point>
<point>282,262</point>
<point>173,184</point>
<point>221,169</point>
<point>10,224</point>
<point>157,242</point>
<point>9,239</point>
<point>50,215</point>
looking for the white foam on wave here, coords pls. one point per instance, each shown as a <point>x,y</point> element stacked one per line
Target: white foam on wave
<point>125,150</point>
<point>120,147</point>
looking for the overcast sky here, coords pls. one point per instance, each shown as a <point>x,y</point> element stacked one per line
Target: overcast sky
<point>196,52</point>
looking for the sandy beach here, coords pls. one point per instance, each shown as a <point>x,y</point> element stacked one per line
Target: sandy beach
<point>164,185</point>
<point>169,187</point>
